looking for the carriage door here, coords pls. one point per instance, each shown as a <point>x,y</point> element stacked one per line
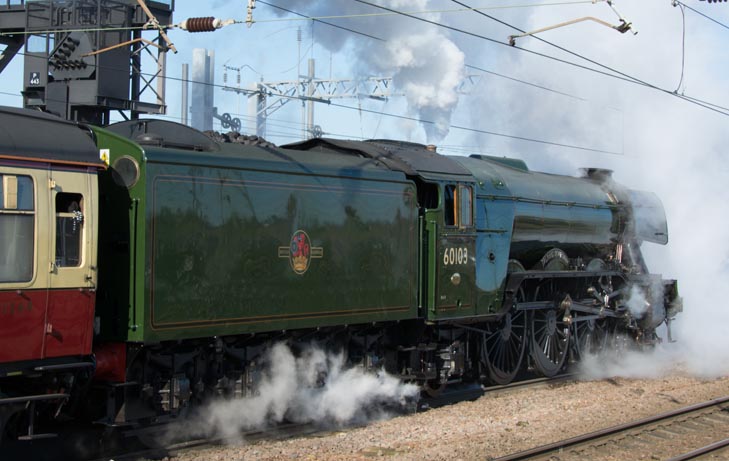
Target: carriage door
<point>456,252</point>
<point>71,263</point>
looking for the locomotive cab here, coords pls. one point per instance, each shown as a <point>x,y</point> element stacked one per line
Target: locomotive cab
<point>451,252</point>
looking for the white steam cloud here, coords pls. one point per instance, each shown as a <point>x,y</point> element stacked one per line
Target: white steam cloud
<point>671,147</point>
<point>424,63</point>
<point>637,303</point>
<point>315,387</point>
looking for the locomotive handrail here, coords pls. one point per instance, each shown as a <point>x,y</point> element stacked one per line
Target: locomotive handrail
<point>515,198</point>
<point>33,398</point>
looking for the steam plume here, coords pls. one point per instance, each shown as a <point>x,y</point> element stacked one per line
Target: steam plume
<point>313,387</point>
<point>424,63</point>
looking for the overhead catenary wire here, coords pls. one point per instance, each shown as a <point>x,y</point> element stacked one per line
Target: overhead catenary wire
<point>683,47</point>
<point>613,73</point>
<point>524,82</point>
<point>484,131</point>
<point>209,24</point>
<point>677,2</point>
<point>626,76</point>
<point>373,36</point>
<point>415,119</point>
<point>423,12</point>
<point>319,20</point>
<point>480,69</point>
<point>477,130</point>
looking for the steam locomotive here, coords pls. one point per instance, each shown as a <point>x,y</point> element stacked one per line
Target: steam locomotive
<point>146,267</point>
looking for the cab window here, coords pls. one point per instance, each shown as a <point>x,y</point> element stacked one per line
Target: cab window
<point>465,199</point>
<point>17,228</point>
<point>458,205</point>
<point>69,226</point>
<point>449,199</point>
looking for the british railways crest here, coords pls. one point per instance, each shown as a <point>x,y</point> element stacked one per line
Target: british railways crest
<point>300,252</point>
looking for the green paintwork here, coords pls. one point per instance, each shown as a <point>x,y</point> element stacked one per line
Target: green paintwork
<point>121,233</point>
<point>201,245</point>
<point>451,265</point>
<point>214,231</point>
<point>456,274</point>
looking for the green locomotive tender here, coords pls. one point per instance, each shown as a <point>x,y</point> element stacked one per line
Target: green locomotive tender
<point>436,268</point>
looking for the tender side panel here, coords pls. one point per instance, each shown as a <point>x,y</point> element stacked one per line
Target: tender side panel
<point>234,251</point>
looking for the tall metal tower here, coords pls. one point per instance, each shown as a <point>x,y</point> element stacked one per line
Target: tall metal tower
<point>265,98</point>
<point>83,58</point>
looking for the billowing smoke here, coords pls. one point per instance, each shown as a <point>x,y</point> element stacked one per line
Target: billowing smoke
<point>671,147</point>
<point>312,387</point>
<point>424,63</point>
<point>637,303</point>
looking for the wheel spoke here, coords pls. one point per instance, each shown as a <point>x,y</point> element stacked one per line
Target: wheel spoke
<point>502,348</point>
<point>549,335</point>
<point>590,336</point>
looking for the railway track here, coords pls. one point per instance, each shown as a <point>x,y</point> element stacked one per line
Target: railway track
<point>692,432</point>
<point>127,445</point>
<point>281,432</point>
<point>473,392</point>
<point>288,431</point>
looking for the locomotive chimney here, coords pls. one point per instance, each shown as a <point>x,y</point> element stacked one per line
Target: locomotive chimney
<point>598,174</point>
<point>431,148</point>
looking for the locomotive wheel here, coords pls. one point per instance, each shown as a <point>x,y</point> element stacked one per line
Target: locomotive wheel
<point>434,387</point>
<point>502,347</point>
<point>549,340</point>
<point>590,336</point>
<point>555,260</point>
<point>619,340</point>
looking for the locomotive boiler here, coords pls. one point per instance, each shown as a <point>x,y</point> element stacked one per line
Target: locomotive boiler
<point>194,256</point>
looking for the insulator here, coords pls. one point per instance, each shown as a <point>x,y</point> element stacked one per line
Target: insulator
<point>69,45</point>
<point>200,24</point>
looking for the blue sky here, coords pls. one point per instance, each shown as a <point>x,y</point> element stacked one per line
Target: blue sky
<point>598,115</point>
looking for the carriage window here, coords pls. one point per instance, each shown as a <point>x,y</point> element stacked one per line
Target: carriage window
<point>69,225</point>
<point>465,199</point>
<point>17,228</point>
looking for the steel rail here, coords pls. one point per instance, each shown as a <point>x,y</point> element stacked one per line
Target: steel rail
<point>581,439</point>
<point>296,430</point>
<point>702,451</point>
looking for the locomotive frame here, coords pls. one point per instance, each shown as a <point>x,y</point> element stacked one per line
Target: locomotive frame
<point>438,269</point>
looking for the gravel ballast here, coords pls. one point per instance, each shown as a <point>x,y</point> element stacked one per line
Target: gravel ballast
<point>492,426</point>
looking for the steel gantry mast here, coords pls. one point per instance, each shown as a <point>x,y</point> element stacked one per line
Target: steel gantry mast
<point>268,97</point>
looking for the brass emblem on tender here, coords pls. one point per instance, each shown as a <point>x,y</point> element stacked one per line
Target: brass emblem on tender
<point>300,252</point>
